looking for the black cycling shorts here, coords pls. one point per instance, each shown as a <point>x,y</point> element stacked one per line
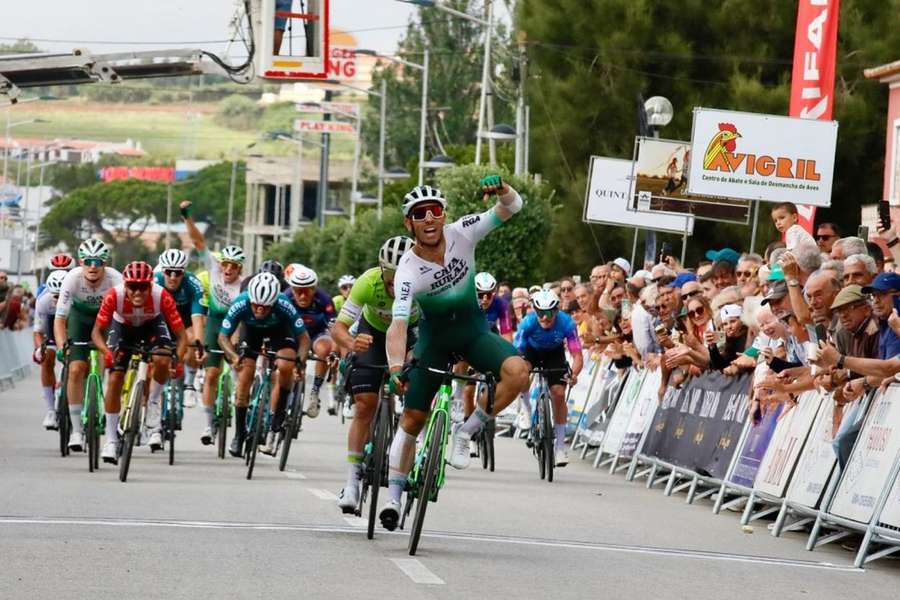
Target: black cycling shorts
<point>155,332</point>
<point>254,336</point>
<point>549,359</point>
<point>369,381</point>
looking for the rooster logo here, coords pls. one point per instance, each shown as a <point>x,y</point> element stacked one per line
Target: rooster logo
<point>723,143</point>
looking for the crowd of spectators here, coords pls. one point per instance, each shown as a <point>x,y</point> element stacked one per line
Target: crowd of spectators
<point>16,304</point>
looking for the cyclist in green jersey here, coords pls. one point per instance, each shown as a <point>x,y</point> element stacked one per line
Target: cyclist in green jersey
<point>368,309</point>
<point>224,286</point>
<point>439,274</point>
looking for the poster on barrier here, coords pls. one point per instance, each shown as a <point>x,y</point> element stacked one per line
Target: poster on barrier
<point>756,443</point>
<point>816,462</point>
<point>603,404</point>
<point>698,426</point>
<point>647,401</point>
<point>784,449</point>
<point>876,448</point>
<point>577,397</point>
<point>890,516</point>
<point>615,432</point>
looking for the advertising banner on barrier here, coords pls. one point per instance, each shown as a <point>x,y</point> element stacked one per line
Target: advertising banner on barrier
<point>756,443</point>
<point>866,473</point>
<point>816,462</point>
<point>891,513</point>
<point>602,404</point>
<point>577,395</point>
<point>698,426</point>
<point>762,157</point>
<point>784,449</point>
<point>618,424</point>
<point>643,411</point>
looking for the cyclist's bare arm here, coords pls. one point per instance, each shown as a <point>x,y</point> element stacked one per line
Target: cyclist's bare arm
<point>508,202</point>
<point>99,339</point>
<point>228,348</point>
<point>181,341</point>
<point>197,238</point>
<point>303,346</point>
<point>59,330</point>
<point>396,343</point>
<point>577,364</point>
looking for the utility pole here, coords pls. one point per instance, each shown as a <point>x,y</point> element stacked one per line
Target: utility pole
<point>521,134</point>
<point>323,168</point>
<point>485,81</point>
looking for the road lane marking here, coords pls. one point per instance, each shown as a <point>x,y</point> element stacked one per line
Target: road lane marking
<point>416,571</point>
<point>357,521</point>
<point>322,494</point>
<point>511,540</point>
<point>294,475</point>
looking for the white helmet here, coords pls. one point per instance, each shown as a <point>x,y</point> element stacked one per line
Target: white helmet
<point>264,289</point>
<point>233,254</point>
<point>346,280</point>
<point>173,259</point>
<point>420,194</point>
<point>55,280</point>
<point>393,250</point>
<point>93,248</point>
<point>545,300</point>
<point>302,277</point>
<point>485,282</point>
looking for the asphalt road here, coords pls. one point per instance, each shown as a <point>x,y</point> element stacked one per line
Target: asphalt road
<point>200,529</point>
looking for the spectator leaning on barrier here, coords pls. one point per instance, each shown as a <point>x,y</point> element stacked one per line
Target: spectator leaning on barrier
<point>746,273</point>
<point>723,274</point>
<point>566,291</point>
<point>826,235</point>
<point>883,293</point>
<point>643,323</point>
<point>725,349</point>
<point>821,289</point>
<point>599,274</point>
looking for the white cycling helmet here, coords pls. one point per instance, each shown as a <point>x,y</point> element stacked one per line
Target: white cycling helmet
<point>173,259</point>
<point>55,280</point>
<point>420,194</point>
<point>485,282</point>
<point>393,250</point>
<point>346,280</point>
<point>264,289</point>
<point>93,249</point>
<point>545,300</point>
<point>302,277</point>
<point>233,254</point>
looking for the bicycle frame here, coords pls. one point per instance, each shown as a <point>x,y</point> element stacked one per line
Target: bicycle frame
<point>441,405</point>
<point>94,374</point>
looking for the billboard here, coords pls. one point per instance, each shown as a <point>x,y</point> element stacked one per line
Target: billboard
<point>307,126</point>
<point>660,181</point>
<point>762,157</point>
<point>606,200</point>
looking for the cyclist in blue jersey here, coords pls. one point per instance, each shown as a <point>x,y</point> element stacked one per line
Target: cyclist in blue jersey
<point>187,291</point>
<point>317,310</point>
<point>265,314</point>
<point>542,338</point>
<point>496,309</point>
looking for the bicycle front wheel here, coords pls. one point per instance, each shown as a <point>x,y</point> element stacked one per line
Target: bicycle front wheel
<point>171,420</point>
<point>381,441</point>
<point>547,436</point>
<point>488,434</point>
<point>132,428</point>
<point>428,485</point>
<point>258,432</point>
<point>291,425</point>
<point>92,432</point>
<point>224,407</point>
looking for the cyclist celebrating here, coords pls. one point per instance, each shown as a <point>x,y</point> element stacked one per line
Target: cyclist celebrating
<point>541,337</point>
<point>187,291</point>
<point>45,342</point>
<point>369,303</point>
<point>439,273</point>
<point>79,300</point>
<point>224,285</point>
<point>134,311</point>
<point>345,284</point>
<point>266,314</point>
<point>314,305</point>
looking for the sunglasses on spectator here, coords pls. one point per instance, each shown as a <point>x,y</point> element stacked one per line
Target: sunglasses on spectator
<point>420,213</point>
<point>94,262</point>
<point>346,287</point>
<point>173,272</point>
<point>689,295</point>
<point>566,289</point>
<point>482,295</point>
<point>748,274</point>
<point>697,312</point>
<point>546,314</point>
<point>825,236</point>
<point>137,287</point>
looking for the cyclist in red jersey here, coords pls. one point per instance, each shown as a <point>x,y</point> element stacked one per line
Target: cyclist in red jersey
<point>136,310</point>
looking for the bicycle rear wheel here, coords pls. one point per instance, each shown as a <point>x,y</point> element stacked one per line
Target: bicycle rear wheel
<point>65,424</point>
<point>92,433</point>
<point>290,426</point>
<point>428,479</point>
<point>488,433</point>
<point>132,428</point>
<point>377,477</point>
<point>259,417</point>
<point>547,436</point>
<point>171,419</point>
<point>224,407</point>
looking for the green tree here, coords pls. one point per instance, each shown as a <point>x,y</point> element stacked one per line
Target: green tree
<point>209,189</point>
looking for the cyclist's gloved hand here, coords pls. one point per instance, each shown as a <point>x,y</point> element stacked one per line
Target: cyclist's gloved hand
<point>395,385</point>
<point>492,184</point>
<point>38,355</point>
<point>60,354</point>
<point>185,208</point>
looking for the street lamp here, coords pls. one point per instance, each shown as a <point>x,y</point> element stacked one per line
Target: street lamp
<point>397,173</point>
<point>501,131</point>
<point>441,161</point>
<point>659,113</point>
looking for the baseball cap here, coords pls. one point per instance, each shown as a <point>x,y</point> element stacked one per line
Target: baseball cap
<point>777,291</point>
<point>682,278</point>
<point>731,311</point>
<point>884,282</point>
<point>849,295</point>
<point>623,264</point>
<point>776,273</point>
<point>725,254</point>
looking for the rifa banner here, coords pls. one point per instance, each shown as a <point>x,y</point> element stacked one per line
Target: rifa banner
<point>755,445</point>
<point>643,411</point>
<point>698,426</point>
<point>816,461</point>
<point>812,79</point>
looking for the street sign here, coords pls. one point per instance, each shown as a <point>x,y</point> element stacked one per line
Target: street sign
<point>340,108</point>
<point>309,126</point>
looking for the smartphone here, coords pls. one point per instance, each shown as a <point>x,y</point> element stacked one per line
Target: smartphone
<point>884,214</point>
<point>863,233</point>
<point>665,251</point>
<point>821,333</point>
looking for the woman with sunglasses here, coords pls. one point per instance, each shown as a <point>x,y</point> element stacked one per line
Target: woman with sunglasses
<point>82,292</point>
<point>439,274</point>
<point>134,311</point>
<point>45,342</point>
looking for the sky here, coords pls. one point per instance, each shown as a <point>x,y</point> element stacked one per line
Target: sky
<point>200,24</point>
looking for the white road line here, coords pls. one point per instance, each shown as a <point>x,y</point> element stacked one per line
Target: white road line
<point>322,494</point>
<point>416,571</point>
<point>467,537</point>
<point>357,521</point>
<point>294,475</point>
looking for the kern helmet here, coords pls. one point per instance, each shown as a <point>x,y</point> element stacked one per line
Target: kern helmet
<point>545,300</point>
<point>54,281</point>
<point>173,259</point>
<point>302,277</point>
<point>93,248</point>
<point>393,250</point>
<point>62,261</point>
<point>420,194</point>
<point>137,272</point>
<point>346,281</point>
<point>233,254</point>
<point>264,289</point>
<point>274,267</point>
<point>485,282</point>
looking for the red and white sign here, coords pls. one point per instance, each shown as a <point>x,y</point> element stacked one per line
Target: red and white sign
<point>812,81</point>
<point>341,108</point>
<point>342,63</point>
<point>307,126</point>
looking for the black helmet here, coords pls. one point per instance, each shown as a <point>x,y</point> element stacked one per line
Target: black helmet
<point>274,267</point>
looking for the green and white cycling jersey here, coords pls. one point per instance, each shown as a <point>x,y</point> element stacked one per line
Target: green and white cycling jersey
<point>369,298</point>
<point>220,294</point>
<point>449,289</point>
<point>78,294</point>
